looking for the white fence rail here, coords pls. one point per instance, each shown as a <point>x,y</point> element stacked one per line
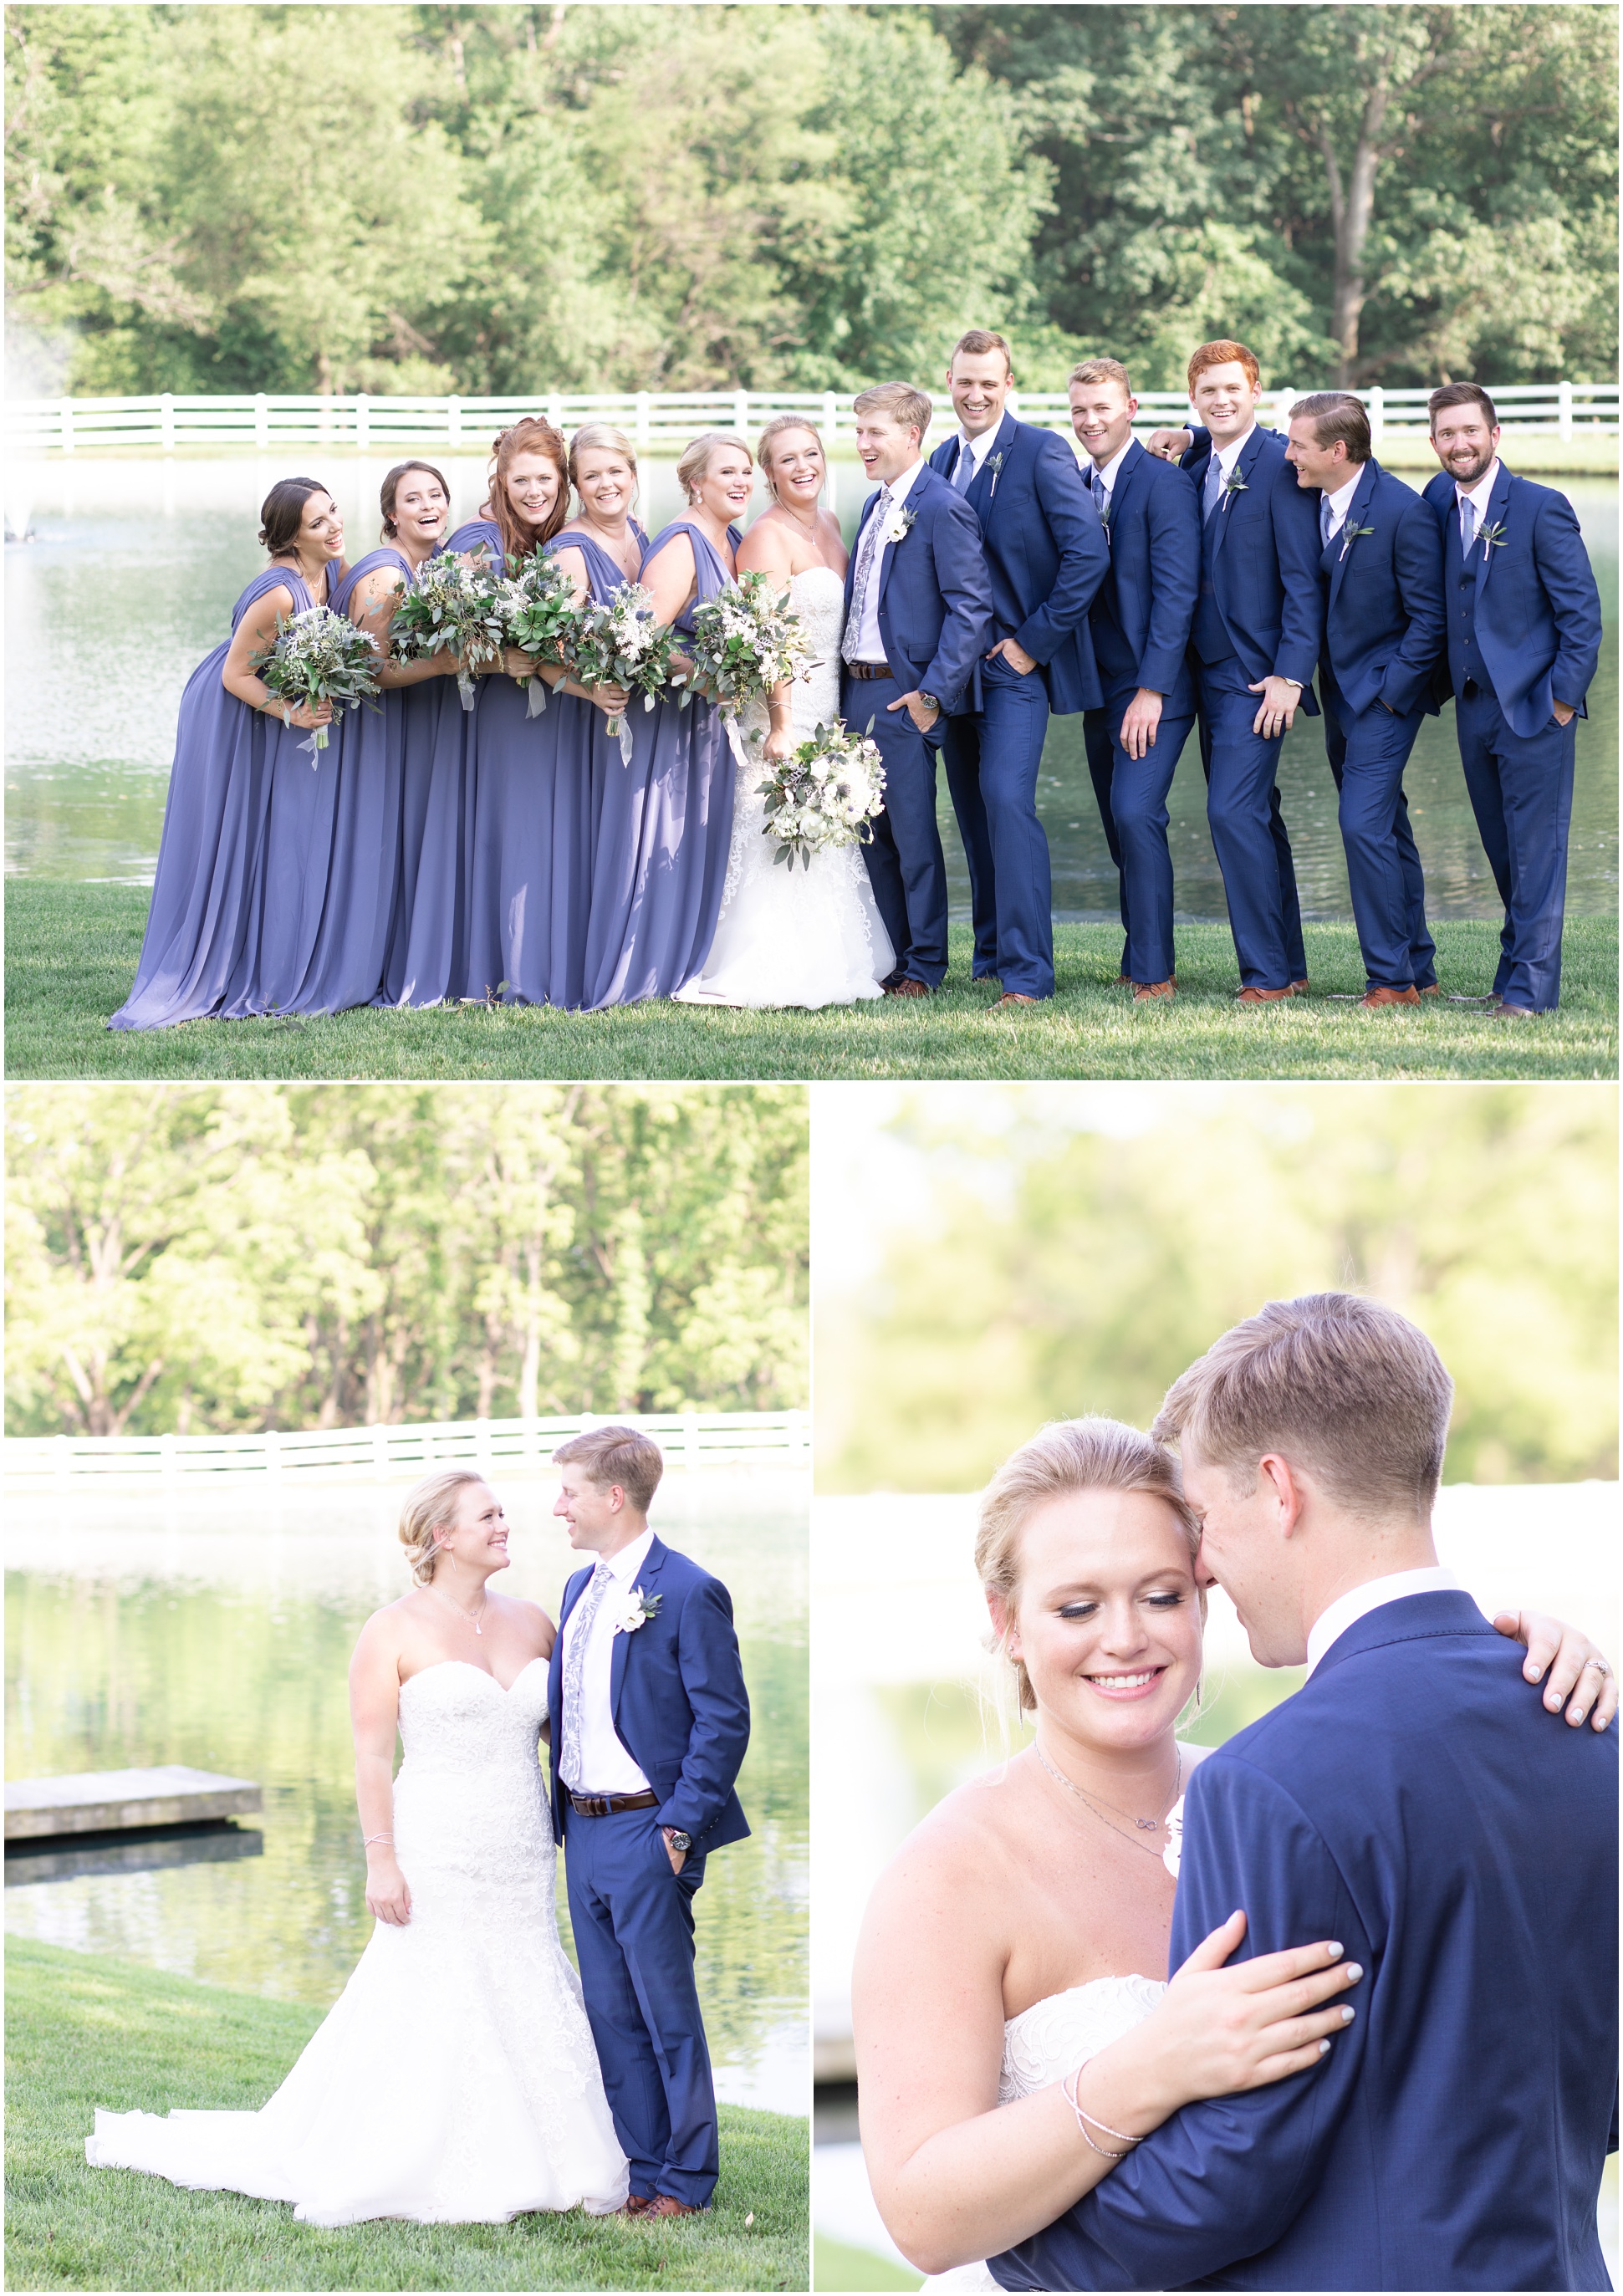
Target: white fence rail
<point>698,1439</point>
<point>366,425</point>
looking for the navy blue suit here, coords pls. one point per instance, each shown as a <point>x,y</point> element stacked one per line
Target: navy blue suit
<point>1412,1800</point>
<point>681,1711</point>
<point>1382,576</point>
<point>1141,622</point>
<point>1046,556</point>
<point>1258,614</point>
<point>1524,632</point>
<point>935,614</point>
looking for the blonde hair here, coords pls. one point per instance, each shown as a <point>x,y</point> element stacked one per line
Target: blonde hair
<point>696,458</point>
<point>1067,1456</point>
<point>775,428</point>
<point>1350,1388</point>
<point>911,408</point>
<point>598,435</point>
<point>978,342</point>
<point>617,1454</point>
<point>430,1506</point>
<point>1101,370</point>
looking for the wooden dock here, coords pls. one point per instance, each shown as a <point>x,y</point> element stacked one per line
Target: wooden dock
<point>118,1801</point>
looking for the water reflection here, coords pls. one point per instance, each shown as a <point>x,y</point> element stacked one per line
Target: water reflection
<point>217,1631</point>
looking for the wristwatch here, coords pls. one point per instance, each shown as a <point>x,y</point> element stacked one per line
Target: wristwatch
<point>930,701</point>
<point>679,1841</point>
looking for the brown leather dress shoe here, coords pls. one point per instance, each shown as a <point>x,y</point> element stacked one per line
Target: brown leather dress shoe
<point>1373,999</point>
<point>1503,1011</point>
<point>636,2204</point>
<point>665,2204</point>
<point>908,986</point>
<point>1264,995</point>
<point>1122,980</point>
<point>1152,992</point>
<point>1431,989</point>
<point>1299,988</point>
<point>1014,997</point>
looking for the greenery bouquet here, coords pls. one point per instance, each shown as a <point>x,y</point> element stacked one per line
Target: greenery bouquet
<point>824,794</point>
<point>318,656</point>
<point>621,644</point>
<point>541,611</point>
<point>745,642</point>
<point>455,602</point>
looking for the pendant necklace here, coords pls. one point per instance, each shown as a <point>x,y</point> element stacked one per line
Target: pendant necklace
<point>467,1617</point>
<point>1144,1825</point>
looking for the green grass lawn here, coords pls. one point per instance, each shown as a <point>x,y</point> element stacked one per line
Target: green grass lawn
<point>71,951</point>
<point>836,2265</point>
<point>82,2030</point>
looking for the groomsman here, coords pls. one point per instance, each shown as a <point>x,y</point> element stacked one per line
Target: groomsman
<point>1140,621</point>
<point>1523,640</point>
<point>1046,558</point>
<point>918,608</point>
<point>1257,628</point>
<point>1381,568</point>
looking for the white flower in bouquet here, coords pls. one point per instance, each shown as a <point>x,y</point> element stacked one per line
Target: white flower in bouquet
<point>824,794</point>
<point>621,644</point>
<point>539,610</point>
<point>745,643</point>
<point>455,604</point>
<point>318,656</point>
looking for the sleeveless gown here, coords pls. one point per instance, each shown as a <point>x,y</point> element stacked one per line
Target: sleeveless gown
<point>200,957</point>
<point>665,829</point>
<point>807,937</point>
<point>1046,2043</point>
<point>454,2080</point>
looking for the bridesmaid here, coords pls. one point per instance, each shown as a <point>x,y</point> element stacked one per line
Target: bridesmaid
<point>232,747</point>
<point>667,819</point>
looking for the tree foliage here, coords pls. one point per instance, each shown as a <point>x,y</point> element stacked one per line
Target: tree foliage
<point>245,1256</point>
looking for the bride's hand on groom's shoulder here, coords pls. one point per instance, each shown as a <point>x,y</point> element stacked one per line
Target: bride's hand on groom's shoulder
<point>1578,1675</point>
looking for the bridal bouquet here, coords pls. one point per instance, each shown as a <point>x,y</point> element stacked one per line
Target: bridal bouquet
<point>620,645</point>
<point>540,609</point>
<point>318,656</point>
<point>745,642</point>
<point>824,794</point>
<point>456,603</point>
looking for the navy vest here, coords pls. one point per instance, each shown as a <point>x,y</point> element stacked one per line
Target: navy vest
<point>1460,596</point>
<point>1210,638</point>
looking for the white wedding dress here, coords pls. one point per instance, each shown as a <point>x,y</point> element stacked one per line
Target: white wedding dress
<point>1046,2043</point>
<point>794,936</point>
<point>454,2080</point>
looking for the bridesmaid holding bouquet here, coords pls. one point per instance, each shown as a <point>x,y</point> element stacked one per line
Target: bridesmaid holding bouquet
<point>234,749</point>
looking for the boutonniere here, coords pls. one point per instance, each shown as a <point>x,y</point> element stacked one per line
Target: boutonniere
<point>638,1607</point>
<point>1352,534</point>
<point>1494,534</point>
<point>995,464</point>
<point>1234,485</point>
<point>898,522</point>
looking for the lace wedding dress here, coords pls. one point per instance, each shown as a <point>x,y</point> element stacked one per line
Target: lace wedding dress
<point>1047,2042</point>
<point>809,937</point>
<point>454,2080</point>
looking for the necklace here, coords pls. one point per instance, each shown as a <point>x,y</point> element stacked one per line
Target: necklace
<point>467,1617</point>
<point>1145,1825</point>
<point>807,526</point>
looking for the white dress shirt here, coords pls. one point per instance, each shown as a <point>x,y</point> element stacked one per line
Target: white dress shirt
<point>606,1767</point>
<point>979,448</point>
<point>1340,503</point>
<point>1358,1601</point>
<point>870,646</point>
<point>1106,473</point>
<point>1478,496</point>
<point>1227,456</point>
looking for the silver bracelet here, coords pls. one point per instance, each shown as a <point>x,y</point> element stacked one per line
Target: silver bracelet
<point>371,1838</point>
<point>1069,2089</point>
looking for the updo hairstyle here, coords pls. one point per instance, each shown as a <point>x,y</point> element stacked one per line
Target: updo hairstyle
<point>527,436</point>
<point>781,423</point>
<point>1067,1456</point>
<point>430,1507</point>
<point>281,514</point>
<point>696,459</point>
<point>599,436</point>
<point>387,491</point>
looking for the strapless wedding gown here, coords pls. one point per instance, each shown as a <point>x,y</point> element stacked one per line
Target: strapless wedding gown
<point>1047,2042</point>
<point>454,2080</point>
<point>807,937</point>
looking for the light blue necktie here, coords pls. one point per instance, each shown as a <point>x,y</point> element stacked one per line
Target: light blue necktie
<point>1326,516</point>
<point>1101,502</point>
<point>963,476</point>
<point>1214,486</point>
<point>574,1669</point>
<point>1468,524</point>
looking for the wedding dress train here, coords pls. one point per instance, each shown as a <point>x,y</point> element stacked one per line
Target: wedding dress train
<point>454,2080</point>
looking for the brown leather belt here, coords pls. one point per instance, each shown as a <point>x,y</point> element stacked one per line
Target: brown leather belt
<point>868,669</point>
<point>606,1805</point>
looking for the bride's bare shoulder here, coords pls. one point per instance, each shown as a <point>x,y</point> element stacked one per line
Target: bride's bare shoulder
<point>967,1833</point>
<point>768,548</point>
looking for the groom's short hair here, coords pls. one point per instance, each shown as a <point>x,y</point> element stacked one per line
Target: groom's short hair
<point>901,402</point>
<point>1350,1388</point>
<point>1101,370</point>
<point>977,344</point>
<point>617,1454</point>
<point>1223,353</point>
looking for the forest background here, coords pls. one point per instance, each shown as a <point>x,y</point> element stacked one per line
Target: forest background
<point>503,200</point>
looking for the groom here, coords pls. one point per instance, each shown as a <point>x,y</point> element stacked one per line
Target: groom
<point>650,1721</point>
<point>1454,2135</point>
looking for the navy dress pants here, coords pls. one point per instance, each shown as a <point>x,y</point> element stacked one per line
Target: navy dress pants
<point>906,867</point>
<point>1132,799</point>
<point>1368,750</point>
<point>633,1920</point>
<point>1521,789</point>
<point>1248,829</point>
<point>992,757</point>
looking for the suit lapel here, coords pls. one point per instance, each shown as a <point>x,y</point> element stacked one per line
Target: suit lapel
<point>1242,469</point>
<point>1498,504</point>
<point>981,488</point>
<point>1363,494</point>
<point>908,508</point>
<point>1136,455</point>
<point>650,1571</point>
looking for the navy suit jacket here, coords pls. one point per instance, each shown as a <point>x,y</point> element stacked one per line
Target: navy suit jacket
<point>935,595</point>
<point>1045,554</point>
<point>1537,610</point>
<point>1155,572</point>
<point>1266,569</point>
<point>1415,1801</point>
<point>676,1690</point>
<point>1384,624</point>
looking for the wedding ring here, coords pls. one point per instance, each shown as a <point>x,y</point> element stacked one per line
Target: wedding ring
<point>1600,1666</point>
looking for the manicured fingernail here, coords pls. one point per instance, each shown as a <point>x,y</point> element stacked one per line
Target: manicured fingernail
<point>1335,1951</point>
<point>1532,1671</point>
<point>1347,2016</point>
<point>1324,2048</point>
<point>1554,1700</point>
<point>1354,1971</point>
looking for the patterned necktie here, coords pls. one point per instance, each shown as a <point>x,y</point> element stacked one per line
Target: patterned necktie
<point>1101,502</point>
<point>865,567</point>
<point>1214,486</point>
<point>574,1669</point>
<point>1325,515</point>
<point>966,471</point>
<point>1468,524</point>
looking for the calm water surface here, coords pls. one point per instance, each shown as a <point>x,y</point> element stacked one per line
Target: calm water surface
<point>216,1632</point>
<point>137,561</point>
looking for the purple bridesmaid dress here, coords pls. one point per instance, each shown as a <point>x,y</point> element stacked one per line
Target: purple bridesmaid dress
<point>664,831</point>
<point>200,947</point>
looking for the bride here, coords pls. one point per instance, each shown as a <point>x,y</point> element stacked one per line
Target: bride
<point>1013,2036</point>
<point>792,936</point>
<point>454,2080</point>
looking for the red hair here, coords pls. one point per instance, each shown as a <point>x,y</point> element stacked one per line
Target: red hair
<point>1221,354</point>
<point>527,436</point>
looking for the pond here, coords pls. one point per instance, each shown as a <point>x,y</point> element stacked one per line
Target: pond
<point>215,1630</point>
<point>136,563</point>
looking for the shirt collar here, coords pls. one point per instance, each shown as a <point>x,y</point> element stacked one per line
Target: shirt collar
<point>1106,471</point>
<point>1341,498</point>
<point>1358,1601</point>
<point>980,448</point>
<point>629,1561</point>
<point>1483,488</point>
<point>1230,455</point>
<point>900,487</point>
